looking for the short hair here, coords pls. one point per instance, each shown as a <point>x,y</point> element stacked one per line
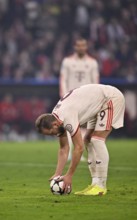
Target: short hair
<point>80,39</point>
<point>44,121</point>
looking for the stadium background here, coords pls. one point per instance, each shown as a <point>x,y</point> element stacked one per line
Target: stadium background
<point>34,38</point>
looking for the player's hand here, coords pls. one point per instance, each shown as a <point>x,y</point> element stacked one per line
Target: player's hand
<point>67,182</point>
<point>55,176</point>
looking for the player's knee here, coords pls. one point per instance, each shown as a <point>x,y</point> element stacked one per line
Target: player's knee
<point>86,139</point>
<point>95,139</point>
<point>101,134</point>
<point>87,136</point>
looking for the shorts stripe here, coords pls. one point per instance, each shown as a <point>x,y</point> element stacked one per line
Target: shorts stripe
<point>110,115</point>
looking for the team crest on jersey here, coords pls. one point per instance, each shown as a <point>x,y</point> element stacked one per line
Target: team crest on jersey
<point>69,128</point>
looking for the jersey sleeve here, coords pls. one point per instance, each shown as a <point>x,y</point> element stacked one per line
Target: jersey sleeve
<point>95,76</point>
<point>63,78</point>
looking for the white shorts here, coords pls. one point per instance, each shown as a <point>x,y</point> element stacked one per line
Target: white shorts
<point>110,115</point>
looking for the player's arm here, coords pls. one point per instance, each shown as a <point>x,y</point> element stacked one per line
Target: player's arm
<point>62,154</point>
<point>63,78</point>
<point>77,153</point>
<point>95,76</point>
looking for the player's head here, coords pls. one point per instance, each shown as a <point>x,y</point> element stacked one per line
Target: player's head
<point>81,46</point>
<point>47,124</point>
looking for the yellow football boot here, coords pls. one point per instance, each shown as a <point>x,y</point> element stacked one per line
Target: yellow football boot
<point>95,191</point>
<point>84,190</point>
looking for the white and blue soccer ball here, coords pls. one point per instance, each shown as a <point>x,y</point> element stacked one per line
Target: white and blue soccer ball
<point>56,187</point>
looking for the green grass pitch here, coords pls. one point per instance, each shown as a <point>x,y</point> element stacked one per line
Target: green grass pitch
<point>24,188</point>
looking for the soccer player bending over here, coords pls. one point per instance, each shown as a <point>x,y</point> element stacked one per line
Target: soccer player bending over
<point>102,108</point>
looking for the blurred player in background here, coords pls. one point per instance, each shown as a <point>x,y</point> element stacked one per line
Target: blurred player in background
<point>102,108</point>
<point>77,70</point>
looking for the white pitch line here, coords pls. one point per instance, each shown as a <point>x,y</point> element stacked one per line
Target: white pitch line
<point>17,164</point>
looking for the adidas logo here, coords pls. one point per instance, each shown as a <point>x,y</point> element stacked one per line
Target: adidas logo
<point>101,125</point>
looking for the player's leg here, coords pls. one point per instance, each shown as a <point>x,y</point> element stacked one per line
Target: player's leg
<point>91,153</point>
<point>95,144</point>
<point>102,161</point>
<point>83,131</point>
<point>101,131</point>
<point>98,158</point>
<point>111,115</point>
<point>102,157</point>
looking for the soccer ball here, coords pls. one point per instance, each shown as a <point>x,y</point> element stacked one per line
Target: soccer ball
<point>57,187</point>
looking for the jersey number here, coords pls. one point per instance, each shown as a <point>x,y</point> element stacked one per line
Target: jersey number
<point>102,114</point>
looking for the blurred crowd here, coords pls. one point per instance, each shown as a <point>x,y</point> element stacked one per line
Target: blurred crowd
<point>35,35</point>
<point>17,116</point>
